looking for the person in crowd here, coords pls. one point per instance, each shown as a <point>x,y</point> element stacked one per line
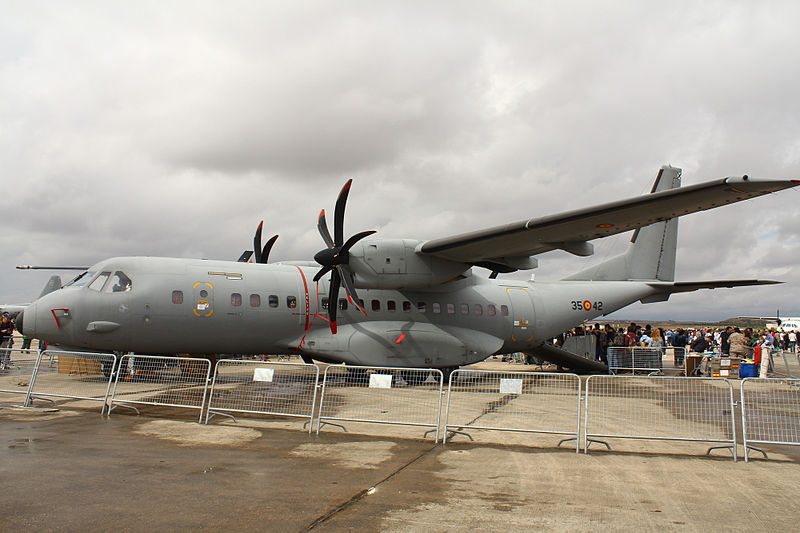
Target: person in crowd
<point>792,336</point>
<point>700,344</point>
<point>725,345</point>
<point>679,341</point>
<point>737,344</point>
<point>6,340</point>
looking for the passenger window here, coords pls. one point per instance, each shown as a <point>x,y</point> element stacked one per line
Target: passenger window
<point>119,283</point>
<point>342,304</point>
<point>464,309</point>
<point>376,305</point>
<point>451,309</point>
<point>236,299</point>
<point>97,284</point>
<point>504,310</point>
<point>421,307</point>
<point>406,307</point>
<point>361,303</point>
<point>491,310</point>
<point>177,297</point>
<point>324,304</point>
<point>477,309</point>
<point>291,302</point>
<point>273,300</point>
<point>255,300</point>
<point>436,308</point>
<point>391,306</point>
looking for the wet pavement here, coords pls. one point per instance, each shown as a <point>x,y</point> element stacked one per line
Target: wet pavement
<point>73,470</point>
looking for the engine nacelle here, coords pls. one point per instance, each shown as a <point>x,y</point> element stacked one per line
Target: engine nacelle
<point>395,264</point>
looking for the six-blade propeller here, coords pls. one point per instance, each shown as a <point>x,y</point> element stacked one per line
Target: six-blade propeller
<point>335,258</point>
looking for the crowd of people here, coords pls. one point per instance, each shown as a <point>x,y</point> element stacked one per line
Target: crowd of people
<point>728,340</point>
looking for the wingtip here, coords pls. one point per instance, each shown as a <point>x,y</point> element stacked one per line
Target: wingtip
<point>333,327</point>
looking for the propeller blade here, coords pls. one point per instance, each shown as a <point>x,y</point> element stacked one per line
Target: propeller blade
<point>267,249</point>
<point>354,239</point>
<point>333,299</point>
<point>338,214</point>
<point>322,271</point>
<point>257,242</point>
<point>245,257</point>
<point>347,280</point>
<point>322,226</point>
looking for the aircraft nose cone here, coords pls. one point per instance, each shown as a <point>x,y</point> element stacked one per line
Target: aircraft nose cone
<point>18,323</point>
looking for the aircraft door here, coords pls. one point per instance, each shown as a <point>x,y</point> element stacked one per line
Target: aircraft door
<point>522,313</point>
<point>203,299</point>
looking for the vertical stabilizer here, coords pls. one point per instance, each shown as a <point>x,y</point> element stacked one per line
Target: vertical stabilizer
<point>53,284</point>
<point>651,255</point>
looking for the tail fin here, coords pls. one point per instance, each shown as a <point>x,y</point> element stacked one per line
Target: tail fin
<point>651,256</point>
<point>53,284</point>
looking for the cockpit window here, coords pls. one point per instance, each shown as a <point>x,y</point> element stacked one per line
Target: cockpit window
<point>99,281</point>
<point>82,279</point>
<point>119,282</point>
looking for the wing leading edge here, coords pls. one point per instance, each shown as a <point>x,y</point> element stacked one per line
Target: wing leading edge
<point>572,230</point>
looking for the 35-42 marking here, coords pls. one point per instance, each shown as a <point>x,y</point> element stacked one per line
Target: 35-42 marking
<point>586,305</point>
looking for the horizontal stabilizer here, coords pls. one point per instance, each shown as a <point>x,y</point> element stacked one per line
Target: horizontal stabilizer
<point>690,286</point>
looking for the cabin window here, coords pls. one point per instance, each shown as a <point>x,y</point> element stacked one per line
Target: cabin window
<point>99,281</point>
<point>391,306</point>
<point>342,304</point>
<point>81,279</point>
<point>324,304</point>
<point>177,297</point>
<point>436,308</point>
<point>464,309</point>
<point>491,310</point>
<point>477,309</point>
<point>406,307</point>
<point>273,300</point>
<point>376,305</point>
<point>421,307</point>
<point>236,299</point>
<point>119,283</point>
<point>255,300</point>
<point>361,303</point>
<point>504,310</point>
<point>291,302</point>
<point>451,309</point>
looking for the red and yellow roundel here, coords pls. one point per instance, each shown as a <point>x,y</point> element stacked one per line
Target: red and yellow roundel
<point>587,305</point>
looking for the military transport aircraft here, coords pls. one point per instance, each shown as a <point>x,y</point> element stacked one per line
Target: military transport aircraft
<point>406,303</point>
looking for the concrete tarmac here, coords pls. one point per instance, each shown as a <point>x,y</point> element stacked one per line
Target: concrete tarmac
<point>72,470</point>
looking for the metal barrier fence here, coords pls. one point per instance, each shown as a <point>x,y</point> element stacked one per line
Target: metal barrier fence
<point>770,412</point>
<point>164,381</point>
<point>533,402</point>
<point>783,364</point>
<point>401,396</point>
<point>659,408</point>
<point>258,387</point>
<point>633,358</point>
<point>77,375</point>
<point>16,369</point>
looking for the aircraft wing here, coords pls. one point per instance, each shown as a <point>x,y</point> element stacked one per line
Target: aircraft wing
<point>690,286</point>
<point>572,230</point>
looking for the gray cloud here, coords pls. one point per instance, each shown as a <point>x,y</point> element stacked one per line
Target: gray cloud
<point>173,129</point>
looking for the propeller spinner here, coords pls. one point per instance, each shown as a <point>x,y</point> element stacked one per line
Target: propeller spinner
<point>335,258</point>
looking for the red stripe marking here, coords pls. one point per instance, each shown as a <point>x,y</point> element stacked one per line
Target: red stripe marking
<point>400,338</point>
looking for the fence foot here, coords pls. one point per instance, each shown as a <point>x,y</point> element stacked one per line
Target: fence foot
<point>562,441</point>
<point>590,441</point>
<point>756,449</point>
<point>39,398</point>
<point>114,406</point>
<point>722,448</point>
<point>210,414</point>
<point>456,432</point>
<point>425,435</point>
<point>321,423</point>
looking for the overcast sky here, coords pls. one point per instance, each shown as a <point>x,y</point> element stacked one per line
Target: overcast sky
<point>173,128</point>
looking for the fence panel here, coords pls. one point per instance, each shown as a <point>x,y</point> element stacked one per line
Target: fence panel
<point>16,369</point>
<point>770,412</point>
<point>258,387</point>
<point>659,408</point>
<point>533,402</point>
<point>635,358</point>
<point>402,396</point>
<point>76,375</point>
<point>164,381</point>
